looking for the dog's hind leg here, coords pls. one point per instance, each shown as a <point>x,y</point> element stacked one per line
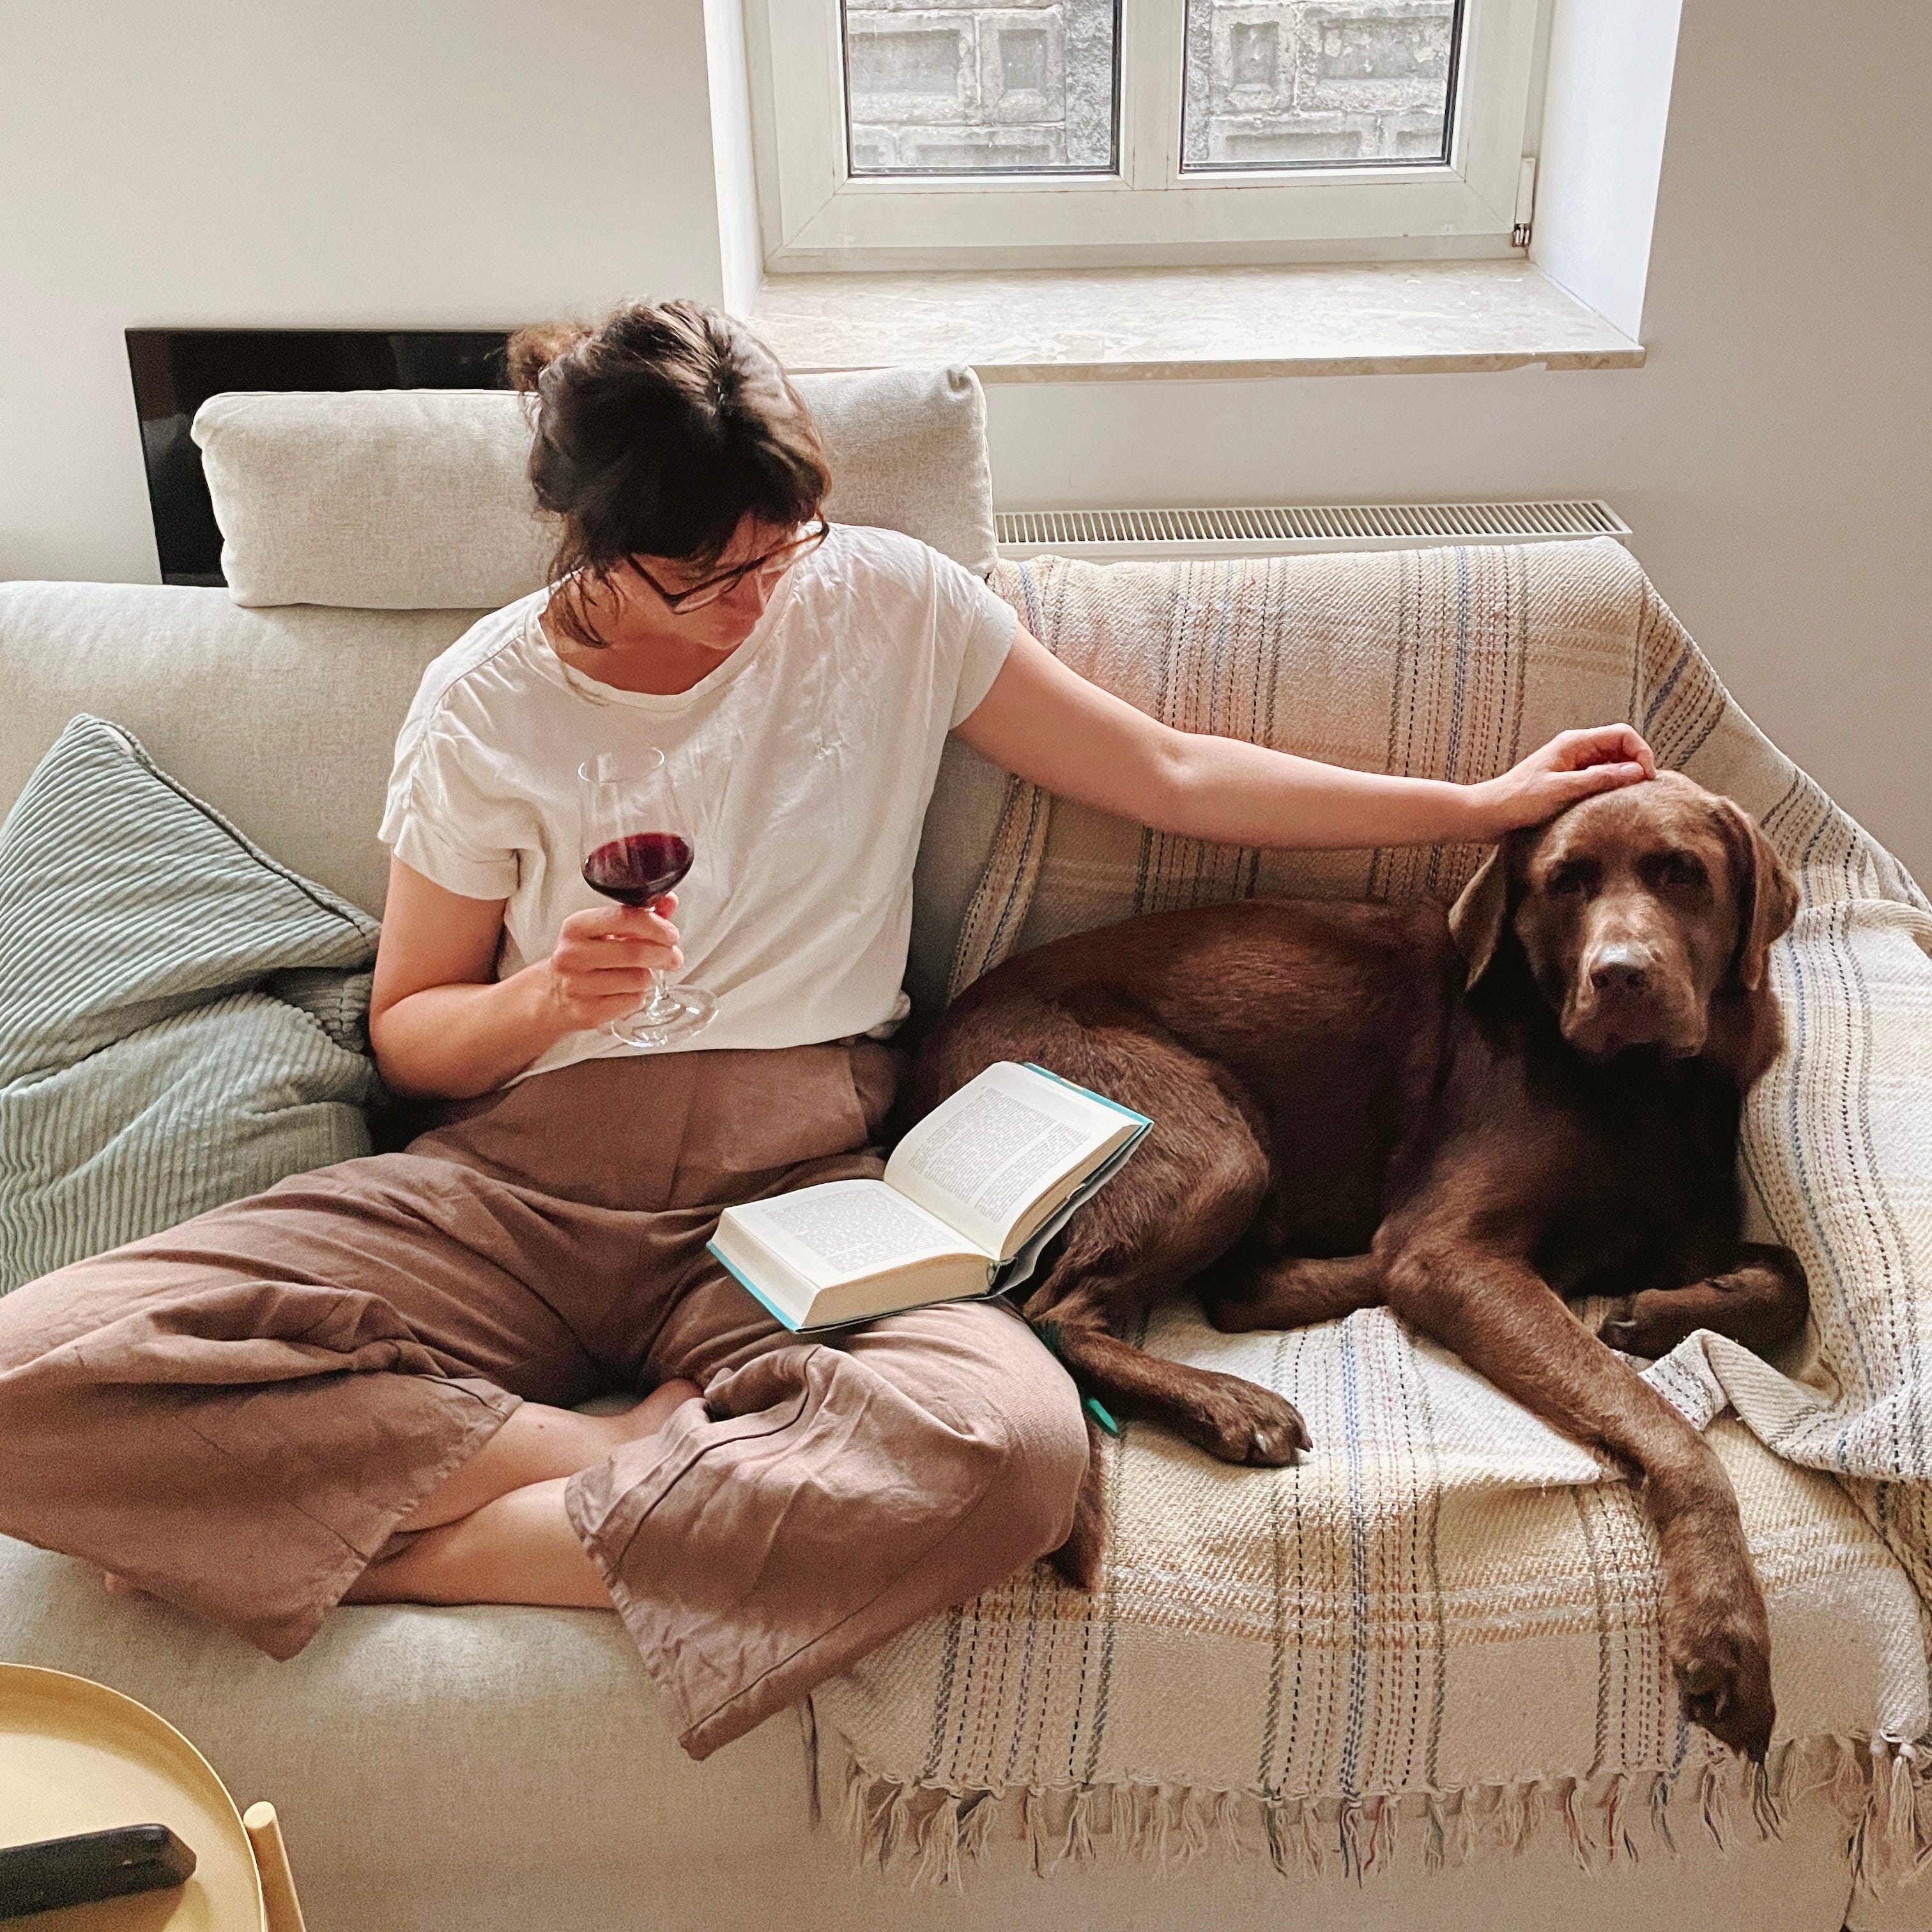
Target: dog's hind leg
<point>1233,1419</point>
<point>1190,1192</point>
<point>1290,1293</point>
<point>1761,1299</point>
<point>1187,1195</point>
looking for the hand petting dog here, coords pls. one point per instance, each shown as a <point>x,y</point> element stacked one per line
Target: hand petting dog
<point>1573,765</point>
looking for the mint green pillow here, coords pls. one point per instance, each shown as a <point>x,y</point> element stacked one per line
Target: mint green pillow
<point>182,1019</point>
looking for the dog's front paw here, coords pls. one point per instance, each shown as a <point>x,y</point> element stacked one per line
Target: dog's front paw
<point>1725,1682</point>
<point>1717,1640</point>
<point>1618,1329</point>
<point>1240,1422</point>
<point>1643,1324</point>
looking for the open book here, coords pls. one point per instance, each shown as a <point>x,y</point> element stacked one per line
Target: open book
<point>971,1197</point>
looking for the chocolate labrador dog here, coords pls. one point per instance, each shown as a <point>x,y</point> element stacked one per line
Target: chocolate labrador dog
<point>1470,1119</point>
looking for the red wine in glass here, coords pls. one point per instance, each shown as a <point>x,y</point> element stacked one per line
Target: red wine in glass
<point>639,867</point>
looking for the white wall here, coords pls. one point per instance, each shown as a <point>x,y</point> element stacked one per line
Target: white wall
<point>741,256</point>
<point>1606,105</point>
<point>466,162</point>
<point>1774,455</point>
<point>440,162</point>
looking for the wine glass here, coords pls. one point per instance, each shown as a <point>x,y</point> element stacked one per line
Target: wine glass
<point>637,844</point>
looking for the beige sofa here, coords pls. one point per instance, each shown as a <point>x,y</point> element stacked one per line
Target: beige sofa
<point>494,1768</point>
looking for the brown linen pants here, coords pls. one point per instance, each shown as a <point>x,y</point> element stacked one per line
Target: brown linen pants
<point>235,1414</point>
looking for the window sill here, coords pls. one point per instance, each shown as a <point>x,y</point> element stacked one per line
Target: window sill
<point>1165,325</point>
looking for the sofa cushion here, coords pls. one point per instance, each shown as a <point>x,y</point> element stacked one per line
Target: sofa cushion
<point>503,1768</point>
<point>403,499</point>
<point>181,1017</point>
<point>285,721</point>
<point>388,499</point>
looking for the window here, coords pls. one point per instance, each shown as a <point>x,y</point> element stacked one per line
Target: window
<point>994,90</point>
<point>1007,132</point>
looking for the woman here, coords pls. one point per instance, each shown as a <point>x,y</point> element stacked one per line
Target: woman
<point>362,1384</point>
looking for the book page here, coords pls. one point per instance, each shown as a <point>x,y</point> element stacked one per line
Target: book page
<point>981,1158</point>
<point>844,1229</point>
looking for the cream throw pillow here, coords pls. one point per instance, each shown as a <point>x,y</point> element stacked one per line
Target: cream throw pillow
<point>416,500</point>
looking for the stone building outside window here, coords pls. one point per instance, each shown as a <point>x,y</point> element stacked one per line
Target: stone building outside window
<point>972,89</point>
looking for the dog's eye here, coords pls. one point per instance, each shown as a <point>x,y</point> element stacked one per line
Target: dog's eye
<point>1679,868</point>
<point>1566,881</point>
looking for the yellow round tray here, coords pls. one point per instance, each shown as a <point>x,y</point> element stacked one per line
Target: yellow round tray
<point>76,1756</point>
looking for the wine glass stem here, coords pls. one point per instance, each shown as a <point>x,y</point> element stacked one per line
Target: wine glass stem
<point>654,1009</point>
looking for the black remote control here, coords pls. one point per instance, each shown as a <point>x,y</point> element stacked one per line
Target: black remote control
<point>95,1864</point>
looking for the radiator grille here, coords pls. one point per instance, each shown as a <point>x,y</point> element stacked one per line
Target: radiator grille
<point>1261,530</point>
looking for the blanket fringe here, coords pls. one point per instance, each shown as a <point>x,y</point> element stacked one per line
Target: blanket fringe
<point>1569,1801</point>
<point>1881,1786</point>
<point>1711,1801</point>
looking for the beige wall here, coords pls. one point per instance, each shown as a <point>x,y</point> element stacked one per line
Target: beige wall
<point>468,162</point>
<point>439,163</point>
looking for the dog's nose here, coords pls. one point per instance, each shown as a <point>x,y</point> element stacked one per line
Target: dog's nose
<point>1619,968</point>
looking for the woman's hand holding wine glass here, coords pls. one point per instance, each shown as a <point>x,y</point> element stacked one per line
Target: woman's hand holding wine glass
<point>638,841</point>
<point>606,960</point>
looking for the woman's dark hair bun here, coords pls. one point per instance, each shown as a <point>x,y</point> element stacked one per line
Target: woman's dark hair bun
<point>656,433</point>
<point>532,350</point>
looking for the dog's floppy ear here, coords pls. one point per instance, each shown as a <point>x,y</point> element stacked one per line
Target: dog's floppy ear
<point>1478,917</point>
<point>1767,897</point>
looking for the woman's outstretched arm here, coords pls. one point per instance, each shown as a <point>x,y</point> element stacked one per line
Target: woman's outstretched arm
<point>1049,724</point>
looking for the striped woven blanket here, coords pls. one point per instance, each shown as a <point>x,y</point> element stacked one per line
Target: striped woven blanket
<point>1438,1635</point>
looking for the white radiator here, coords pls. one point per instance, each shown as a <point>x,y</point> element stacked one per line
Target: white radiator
<point>1277,529</point>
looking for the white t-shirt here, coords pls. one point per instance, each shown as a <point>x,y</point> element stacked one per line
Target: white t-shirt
<point>805,760</point>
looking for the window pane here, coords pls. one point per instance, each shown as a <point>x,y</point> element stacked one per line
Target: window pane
<point>978,88</point>
<point>1317,83</point>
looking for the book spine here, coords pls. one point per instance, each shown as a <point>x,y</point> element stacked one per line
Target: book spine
<point>752,1289</point>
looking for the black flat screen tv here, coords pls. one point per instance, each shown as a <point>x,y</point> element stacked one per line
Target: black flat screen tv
<point>175,370</point>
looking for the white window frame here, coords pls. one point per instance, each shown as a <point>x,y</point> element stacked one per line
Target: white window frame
<point>817,216</point>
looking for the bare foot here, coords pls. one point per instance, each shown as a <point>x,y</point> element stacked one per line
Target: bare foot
<point>537,1443</point>
<point>518,1549</point>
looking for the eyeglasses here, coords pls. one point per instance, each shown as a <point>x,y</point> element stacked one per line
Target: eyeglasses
<point>773,564</point>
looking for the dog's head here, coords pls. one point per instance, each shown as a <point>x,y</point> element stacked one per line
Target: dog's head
<point>1636,910</point>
